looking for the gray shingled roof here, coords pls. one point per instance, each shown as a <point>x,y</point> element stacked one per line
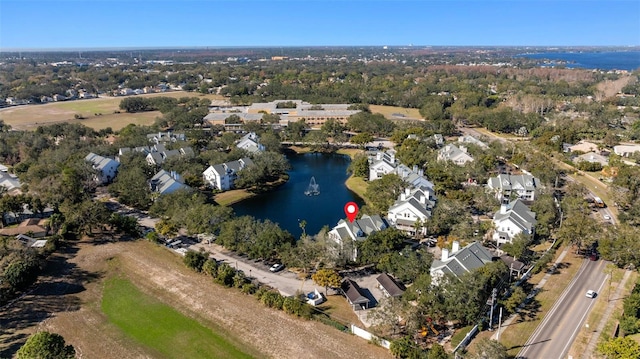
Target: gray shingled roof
<point>507,182</point>
<point>390,285</point>
<point>467,259</point>
<point>353,293</point>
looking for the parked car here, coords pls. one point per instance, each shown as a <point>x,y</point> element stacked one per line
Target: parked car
<point>276,267</point>
<point>591,293</point>
<point>606,217</point>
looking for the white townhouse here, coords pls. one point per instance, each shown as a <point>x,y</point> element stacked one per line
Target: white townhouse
<point>512,219</point>
<point>384,163</point>
<point>524,186</point>
<point>251,143</point>
<point>222,176</point>
<point>412,210</point>
<point>106,168</point>
<point>457,155</point>
<point>346,233</point>
<point>165,182</point>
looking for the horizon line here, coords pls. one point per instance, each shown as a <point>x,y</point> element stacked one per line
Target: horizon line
<point>146,48</point>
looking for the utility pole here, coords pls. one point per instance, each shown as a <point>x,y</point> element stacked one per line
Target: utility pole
<point>499,324</point>
<point>494,293</point>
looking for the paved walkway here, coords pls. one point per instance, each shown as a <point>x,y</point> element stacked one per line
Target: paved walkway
<point>605,318</point>
<point>535,291</point>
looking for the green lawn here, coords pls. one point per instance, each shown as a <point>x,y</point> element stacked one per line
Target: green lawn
<point>161,328</point>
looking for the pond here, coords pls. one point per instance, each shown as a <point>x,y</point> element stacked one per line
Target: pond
<point>288,204</point>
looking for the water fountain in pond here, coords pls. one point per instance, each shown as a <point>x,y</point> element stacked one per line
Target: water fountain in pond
<point>313,189</point>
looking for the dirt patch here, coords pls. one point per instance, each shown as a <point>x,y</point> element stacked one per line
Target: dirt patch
<point>75,313</point>
<point>609,88</point>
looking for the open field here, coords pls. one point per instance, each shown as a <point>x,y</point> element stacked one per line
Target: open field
<point>389,111</point>
<point>98,113</point>
<point>156,325</point>
<point>68,302</point>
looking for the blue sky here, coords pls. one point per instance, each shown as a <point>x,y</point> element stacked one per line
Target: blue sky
<point>29,24</point>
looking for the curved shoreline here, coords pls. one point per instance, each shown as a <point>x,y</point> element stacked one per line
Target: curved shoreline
<point>354,184</point>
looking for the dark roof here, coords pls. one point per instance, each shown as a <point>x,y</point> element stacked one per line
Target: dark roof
<point>511,262</point>
<point>352,291</point>
<point>390,285</point>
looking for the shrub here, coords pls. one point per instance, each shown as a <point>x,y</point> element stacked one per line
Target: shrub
<point>210,267</point>
<point>239,280</point>
<point>225,274</point>
<point>248,288</point>
<point>272,300</point>
<point>195,260</point>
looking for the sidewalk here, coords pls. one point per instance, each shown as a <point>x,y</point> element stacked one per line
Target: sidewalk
<point>605,318</point>
<point>535,291</point>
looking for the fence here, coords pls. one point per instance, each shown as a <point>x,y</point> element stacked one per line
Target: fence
<point>368,336</point>
<point>467,338</point>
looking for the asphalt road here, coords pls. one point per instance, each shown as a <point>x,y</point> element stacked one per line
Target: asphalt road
<point>555,335</point>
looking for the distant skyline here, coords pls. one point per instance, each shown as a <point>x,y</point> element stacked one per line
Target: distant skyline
<point>76,24</point>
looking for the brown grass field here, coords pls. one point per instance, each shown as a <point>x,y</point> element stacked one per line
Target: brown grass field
<point>98,113</point>
<point>388,111</point>
<point>67,301</point>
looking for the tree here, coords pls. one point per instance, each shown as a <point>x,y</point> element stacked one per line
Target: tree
<point>334,130</point>
<point>489,349</point>
<point>45,345</point>
<point>386,318</point>
<point>384,191</point>
<point>359,166</point>
<point>362,138</point>
<point>515,299</point>
<point>437,352</point>
<point>620,348</point>
<point>327,278</point>
<point>405,347</point>
<point>379,243</point>
<point>195,260</point>
<point>303,225</point>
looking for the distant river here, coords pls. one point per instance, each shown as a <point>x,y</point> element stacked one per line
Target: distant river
<point>288,204</point>
<point>614,60</point>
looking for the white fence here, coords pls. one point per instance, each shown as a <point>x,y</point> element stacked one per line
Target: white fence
<point>368,336</point>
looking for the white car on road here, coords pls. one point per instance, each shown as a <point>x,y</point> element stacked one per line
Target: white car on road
<point>591,293</point>
<point>606,217</point>
<point>276,267</point>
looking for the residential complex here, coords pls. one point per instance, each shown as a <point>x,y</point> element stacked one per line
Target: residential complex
<point>222,176</point>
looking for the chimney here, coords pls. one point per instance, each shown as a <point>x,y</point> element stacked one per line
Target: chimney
<point>504,208</point>
<point>403,196</point>
<point>463,149</point>
<point>423,199</point>
<point>455,247</point>
<point>445,255</point>
<point>415,168</point>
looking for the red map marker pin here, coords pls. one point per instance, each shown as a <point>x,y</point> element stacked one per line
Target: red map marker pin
<point>351,210</point>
